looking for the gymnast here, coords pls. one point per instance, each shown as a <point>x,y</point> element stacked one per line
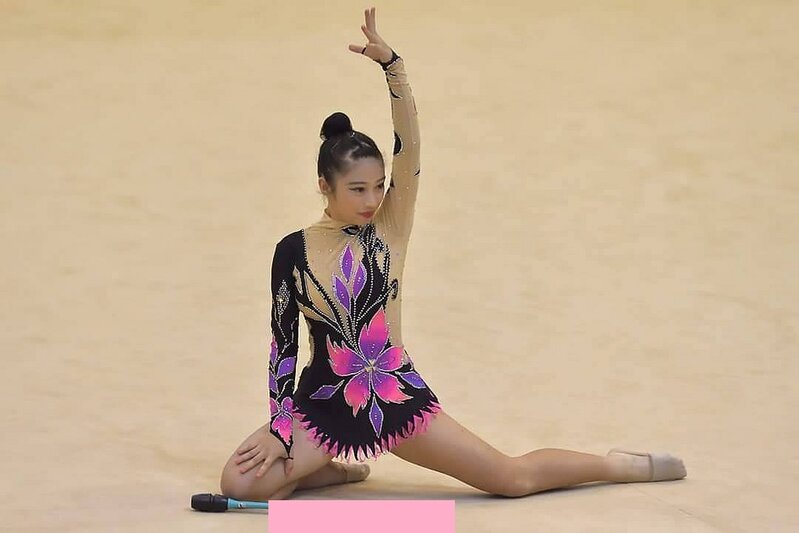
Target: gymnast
<point>361,395</point>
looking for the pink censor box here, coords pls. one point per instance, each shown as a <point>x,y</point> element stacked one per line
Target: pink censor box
<point>361,516</point>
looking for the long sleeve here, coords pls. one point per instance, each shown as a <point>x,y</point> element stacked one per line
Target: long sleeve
<point>399,202</point>
<point>284,346</point>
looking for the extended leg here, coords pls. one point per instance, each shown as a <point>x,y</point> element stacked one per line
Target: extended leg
<point>452,449</point>
<point>550,468</point>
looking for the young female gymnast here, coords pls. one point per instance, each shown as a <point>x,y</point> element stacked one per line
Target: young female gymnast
<point>360,395</point>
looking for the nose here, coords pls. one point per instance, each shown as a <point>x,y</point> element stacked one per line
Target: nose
<point>373,201</point>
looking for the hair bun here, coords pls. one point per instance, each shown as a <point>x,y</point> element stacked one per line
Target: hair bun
<point>336,124</point>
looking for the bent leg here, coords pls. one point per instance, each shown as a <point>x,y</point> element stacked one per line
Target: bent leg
<point>334,473</point>
<point>451,449</point>
<point>308,458</point>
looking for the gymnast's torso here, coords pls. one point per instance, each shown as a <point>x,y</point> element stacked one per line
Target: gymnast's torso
<point>360,393</point>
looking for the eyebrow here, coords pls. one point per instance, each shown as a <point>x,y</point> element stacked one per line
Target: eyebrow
<point>364,183</point>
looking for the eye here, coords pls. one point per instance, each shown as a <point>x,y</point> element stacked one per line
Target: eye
<point>358,189</point>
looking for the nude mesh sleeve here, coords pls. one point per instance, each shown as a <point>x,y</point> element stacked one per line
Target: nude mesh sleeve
<point>399,202</point>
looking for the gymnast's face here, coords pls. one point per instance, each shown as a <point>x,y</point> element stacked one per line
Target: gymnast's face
<point>358,193</point>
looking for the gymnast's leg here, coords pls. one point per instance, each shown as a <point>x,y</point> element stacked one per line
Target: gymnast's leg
<point>313,468</point>
<point>334,473</point>
<point>450,448</point>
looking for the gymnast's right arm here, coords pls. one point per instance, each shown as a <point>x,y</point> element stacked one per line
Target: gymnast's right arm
<point>284,346</point>
<point>274,439</point>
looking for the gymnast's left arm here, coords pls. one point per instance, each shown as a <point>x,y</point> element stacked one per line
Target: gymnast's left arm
<point>399,203</point>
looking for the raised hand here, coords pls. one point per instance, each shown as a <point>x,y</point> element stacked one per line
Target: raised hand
<point>376,48</point>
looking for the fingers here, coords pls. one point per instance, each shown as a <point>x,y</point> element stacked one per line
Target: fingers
<point>370,28</point>
<point>264,467</point>
<point>288,466</point>
<point>356,48</point>
<point>369,33</point>
<point>246,456</point>
<point>249,455</point>
<point>247,446</point>
<point>370,19</point>
<point>252,462</point>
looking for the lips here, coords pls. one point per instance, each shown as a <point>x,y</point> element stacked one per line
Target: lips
<point>367,215</point>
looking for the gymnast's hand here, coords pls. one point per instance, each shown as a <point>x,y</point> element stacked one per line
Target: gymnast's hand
<point>376,48</point>
<point>262,447</point>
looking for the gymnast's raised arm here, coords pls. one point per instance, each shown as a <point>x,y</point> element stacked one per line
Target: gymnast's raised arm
<point>399,203</point>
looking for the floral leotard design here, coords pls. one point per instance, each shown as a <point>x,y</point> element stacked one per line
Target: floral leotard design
<point>360,394</point>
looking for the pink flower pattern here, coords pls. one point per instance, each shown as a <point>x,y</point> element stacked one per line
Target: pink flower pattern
<point>358,349</point>
<point>371,364</point>
<point>369,369</point>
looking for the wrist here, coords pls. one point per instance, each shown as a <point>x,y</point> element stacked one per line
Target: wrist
<point>389,61</point>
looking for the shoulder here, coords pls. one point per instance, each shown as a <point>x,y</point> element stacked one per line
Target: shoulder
<point>290,244</point>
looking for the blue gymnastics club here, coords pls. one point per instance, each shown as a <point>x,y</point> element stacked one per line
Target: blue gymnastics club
<point>216,503</point>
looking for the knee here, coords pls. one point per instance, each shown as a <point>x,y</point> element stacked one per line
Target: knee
<point>515,480</point>
<point>234,484</point>
<point>515,488</point>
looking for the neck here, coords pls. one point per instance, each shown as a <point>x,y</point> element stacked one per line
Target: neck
<point>338,218</point>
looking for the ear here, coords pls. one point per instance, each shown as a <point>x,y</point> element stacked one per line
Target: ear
<point>323,187</point>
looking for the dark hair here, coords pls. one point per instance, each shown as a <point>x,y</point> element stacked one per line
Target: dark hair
<point>341,147</point>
